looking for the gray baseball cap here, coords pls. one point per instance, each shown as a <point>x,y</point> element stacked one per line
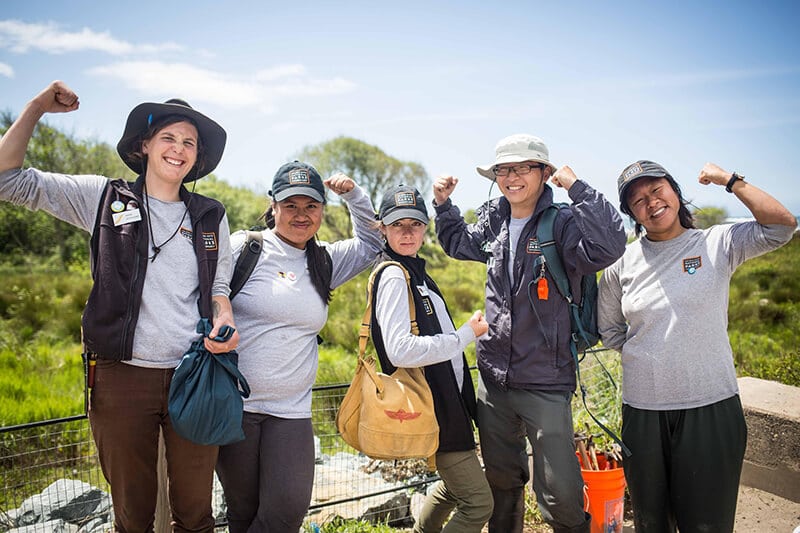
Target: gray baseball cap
<point>639,169</point>
<point>516,149</point>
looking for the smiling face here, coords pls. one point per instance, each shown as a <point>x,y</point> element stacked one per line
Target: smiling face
<point>523,191</point>
<point>404,236</point>
<point>655,205</point>
<point>171,152</point>
<point>297,219</point>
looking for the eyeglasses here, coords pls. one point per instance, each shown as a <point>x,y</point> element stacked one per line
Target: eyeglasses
<point>519,170</point>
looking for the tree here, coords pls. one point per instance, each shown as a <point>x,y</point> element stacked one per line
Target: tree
<point>367,164</point>
<point>705,217</point>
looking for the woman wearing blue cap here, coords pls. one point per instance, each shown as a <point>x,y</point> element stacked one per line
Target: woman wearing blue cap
<point>161,260</point>
<point>282,307</point>
<point>663,306</point>
<point>439,348</point>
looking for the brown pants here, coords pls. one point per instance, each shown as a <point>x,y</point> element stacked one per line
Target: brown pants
<point>128,407</point>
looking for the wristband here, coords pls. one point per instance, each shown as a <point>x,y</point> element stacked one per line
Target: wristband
<point>734,178</point>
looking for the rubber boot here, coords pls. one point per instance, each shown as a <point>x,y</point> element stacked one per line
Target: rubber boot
<point>509,511</point>
<point>582,528</point>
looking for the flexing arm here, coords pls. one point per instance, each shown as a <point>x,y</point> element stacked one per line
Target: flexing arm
<point>765,209</point>
<point>56,98</point>
<point>458,239</point>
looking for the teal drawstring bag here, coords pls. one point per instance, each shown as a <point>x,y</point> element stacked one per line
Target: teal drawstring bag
<point>205,396</point>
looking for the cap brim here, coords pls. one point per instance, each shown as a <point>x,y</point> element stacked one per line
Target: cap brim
<point>296,190</point>
<point>486,170</point>
<point>400,214</point>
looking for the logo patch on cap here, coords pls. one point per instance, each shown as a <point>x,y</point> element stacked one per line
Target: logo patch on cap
<point>632,171</point>
<point>405,198</point>
<point>299,177</point>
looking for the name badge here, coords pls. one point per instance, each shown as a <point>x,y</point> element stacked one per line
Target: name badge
<point>126,217</point>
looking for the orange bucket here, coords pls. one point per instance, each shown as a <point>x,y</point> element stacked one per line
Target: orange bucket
<point>604,496</point>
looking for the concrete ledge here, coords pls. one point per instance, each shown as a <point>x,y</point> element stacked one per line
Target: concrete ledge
<point>772,458</point>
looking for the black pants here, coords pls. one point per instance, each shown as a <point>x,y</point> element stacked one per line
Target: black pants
<point>685,466</point>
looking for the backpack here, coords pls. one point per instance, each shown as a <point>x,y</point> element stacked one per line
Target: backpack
<point>583,314</point>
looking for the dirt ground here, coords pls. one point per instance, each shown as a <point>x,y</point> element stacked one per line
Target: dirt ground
<point>757,511</point>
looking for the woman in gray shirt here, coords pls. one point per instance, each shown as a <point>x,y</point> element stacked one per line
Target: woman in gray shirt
<point>664,305</point>
<point>160,262</point>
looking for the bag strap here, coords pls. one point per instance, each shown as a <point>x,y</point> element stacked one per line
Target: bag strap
<point>366,321</point>
<point>246,262</point>
<point>552,259</point>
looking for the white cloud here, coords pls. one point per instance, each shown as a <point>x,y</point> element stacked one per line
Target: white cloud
<point>223,89</point>
<point>20,37</point>
<point>6,70</point>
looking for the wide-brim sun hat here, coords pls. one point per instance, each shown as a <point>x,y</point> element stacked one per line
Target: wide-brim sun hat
<point>517,148</point>
<point>640,169</point>
<point>212,135</point>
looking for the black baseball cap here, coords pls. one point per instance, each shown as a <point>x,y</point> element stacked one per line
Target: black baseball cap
<point>297,178</point>
<point>403,201</point>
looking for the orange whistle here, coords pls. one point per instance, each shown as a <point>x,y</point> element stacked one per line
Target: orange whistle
<point>541,289</point>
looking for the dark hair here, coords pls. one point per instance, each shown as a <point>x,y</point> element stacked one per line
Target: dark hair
<point>684,215</point>
<point>159,125</point>
<point>319,266</point>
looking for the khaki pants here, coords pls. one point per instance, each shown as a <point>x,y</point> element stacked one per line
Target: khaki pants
<point>464,488</point>
<point>128,407</point>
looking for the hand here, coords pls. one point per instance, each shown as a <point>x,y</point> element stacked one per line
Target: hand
<point>221,347</point>
<point>712,173</point>
<point>443,187</point>
<point>340,183</point>
<point>564,177</point>
<point>56,98</point>
<point>478,324</point>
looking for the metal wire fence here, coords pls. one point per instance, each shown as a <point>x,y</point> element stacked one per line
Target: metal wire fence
<point>37,459</point>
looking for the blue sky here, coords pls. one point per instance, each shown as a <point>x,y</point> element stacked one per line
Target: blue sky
<point>603,83</point>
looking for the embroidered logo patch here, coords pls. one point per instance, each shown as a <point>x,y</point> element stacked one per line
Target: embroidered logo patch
<point>533,247</point>
<point>405,198</point>
<point>401,414</point>
<point>186,233</point>
<point>632,171</point>
<point>426,304</point>
<point>299,177</point>
<point>209,240</point>
<point>691,264</point>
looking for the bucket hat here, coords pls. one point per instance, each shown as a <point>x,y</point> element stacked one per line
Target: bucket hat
<point>516,149</point>
<point>403,201</point>
<point>297,178</point>
<point>211,134</point>
<point>640,169</point>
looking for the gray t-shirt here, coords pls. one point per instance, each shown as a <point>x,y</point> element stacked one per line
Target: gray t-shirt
<point>279,313</point>
<point>664,304</point>
<point>168,314</point>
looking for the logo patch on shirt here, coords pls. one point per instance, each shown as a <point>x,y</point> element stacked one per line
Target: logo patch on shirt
<point>299,177</point>
<point>404,198</point>
<point>691,264</point>
<point>427,306</point>
<point>533,247</point>
<point>186,233</point>
<point>210,240</point>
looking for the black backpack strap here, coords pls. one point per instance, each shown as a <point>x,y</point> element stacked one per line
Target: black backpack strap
<point>246,262</point>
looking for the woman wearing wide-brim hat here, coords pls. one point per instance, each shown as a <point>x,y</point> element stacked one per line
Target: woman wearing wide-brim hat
<point>161,260</point>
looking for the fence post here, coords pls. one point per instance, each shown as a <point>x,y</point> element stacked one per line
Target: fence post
<point>163,513</point>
